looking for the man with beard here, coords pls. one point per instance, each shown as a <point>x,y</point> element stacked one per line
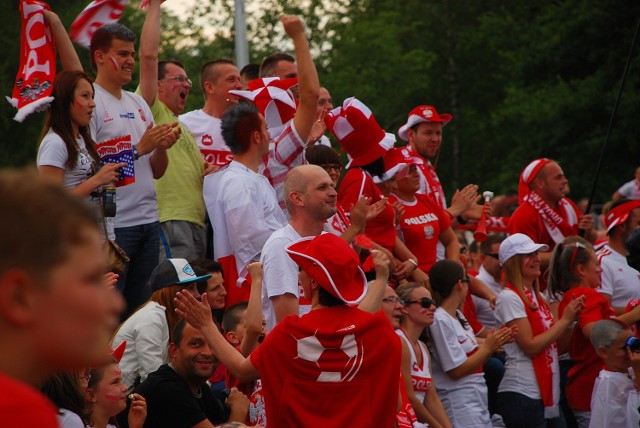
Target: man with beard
<point>165,87</point>
<point>177,393</point>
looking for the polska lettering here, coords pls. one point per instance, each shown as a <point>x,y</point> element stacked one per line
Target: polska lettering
<point>422,219</point>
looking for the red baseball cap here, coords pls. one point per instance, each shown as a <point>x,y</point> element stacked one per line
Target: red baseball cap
<point>620,214</point>
<point>333,264</point>
<point>397,162</point>
<point>422,114</point>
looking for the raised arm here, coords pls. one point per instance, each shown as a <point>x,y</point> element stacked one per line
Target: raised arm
<point>149,43</point>
<point>308,83</point>
<point>68,55</point>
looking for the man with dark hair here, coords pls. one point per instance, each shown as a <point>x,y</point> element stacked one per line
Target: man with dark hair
<point>56,314</point>
<point>279,64</point>
<point>490,274</point>
<point>335,366</point>
<point>165,87</point>
<point>232,320</point>
<point>248,73</point>
<point>620,283</point>
<point>177,393</point>
<point>123,123</point>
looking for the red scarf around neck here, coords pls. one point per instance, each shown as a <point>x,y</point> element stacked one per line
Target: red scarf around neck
<point>542,363</point>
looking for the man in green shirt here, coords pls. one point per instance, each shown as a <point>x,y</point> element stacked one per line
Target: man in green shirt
<point>165,87</point>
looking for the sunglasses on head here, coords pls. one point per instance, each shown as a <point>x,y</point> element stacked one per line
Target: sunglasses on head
<point>425,302</point>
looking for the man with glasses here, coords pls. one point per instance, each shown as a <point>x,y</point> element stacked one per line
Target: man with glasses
<point>165,87</point>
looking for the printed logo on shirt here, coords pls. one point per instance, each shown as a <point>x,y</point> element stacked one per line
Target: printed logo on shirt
<point>420,384</point>
<point>206,140</point>
<point>422,219</point>
<point>216,157</point>
<point>428,232</point>
<point>339,361</point>
<point>142,116</point>
<point>128,115</point>
<point>107,118</point>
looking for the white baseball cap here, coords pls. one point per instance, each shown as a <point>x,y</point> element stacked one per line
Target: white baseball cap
<point>518,243</point>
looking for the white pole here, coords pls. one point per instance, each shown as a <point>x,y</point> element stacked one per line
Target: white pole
<point>242,47</point>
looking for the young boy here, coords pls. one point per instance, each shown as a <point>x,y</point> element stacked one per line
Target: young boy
<point>615,399</point>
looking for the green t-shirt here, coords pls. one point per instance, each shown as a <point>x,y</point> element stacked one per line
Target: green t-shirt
<point>179,190</point>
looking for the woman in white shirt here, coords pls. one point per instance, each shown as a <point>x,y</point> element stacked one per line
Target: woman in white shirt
<point>458,358</point>
<point>530,388</point>
<point>417,314</point>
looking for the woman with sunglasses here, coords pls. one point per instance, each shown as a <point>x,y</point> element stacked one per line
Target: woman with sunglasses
<point>529,392</point>
<point>575,271</point>
<point>417,314</point>
<point>458,357</point>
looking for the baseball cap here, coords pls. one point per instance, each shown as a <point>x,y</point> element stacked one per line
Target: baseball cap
<point>396,163</point>
<point>620,214</point>
<point>518,243</point>
<point>173,272</point>
<point>422,114</point>
<point>333,264</point>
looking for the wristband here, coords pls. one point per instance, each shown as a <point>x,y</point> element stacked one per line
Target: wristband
<point>415,263</point>
<point>136,155</point>
<point>462,220</point>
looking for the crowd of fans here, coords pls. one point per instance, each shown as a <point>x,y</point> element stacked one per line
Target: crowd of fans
<point>268,284</point>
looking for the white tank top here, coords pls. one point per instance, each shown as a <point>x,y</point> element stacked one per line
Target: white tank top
<point>420,374</point>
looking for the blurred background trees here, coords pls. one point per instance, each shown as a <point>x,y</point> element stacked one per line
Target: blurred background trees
<point>522,79</point>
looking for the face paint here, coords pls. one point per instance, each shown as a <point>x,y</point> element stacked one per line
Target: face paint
<point>116,66</point>
<point>113,397</point>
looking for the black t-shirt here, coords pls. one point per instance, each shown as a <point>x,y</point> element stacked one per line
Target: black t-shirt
<point>171,404</point>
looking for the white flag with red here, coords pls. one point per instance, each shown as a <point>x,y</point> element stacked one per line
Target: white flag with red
<point>94,16</point>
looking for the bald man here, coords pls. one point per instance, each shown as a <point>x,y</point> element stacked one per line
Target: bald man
<point>311,200</point>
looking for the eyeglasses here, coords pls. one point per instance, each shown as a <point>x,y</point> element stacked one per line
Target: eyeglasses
<point>425,302</point>
<point>393,299</point>
<point>494,255</point>
<point>329,166</point>
<point>181,79</point>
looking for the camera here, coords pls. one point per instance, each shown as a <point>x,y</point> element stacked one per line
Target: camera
<point>109,201</point>
<point>632,343</point>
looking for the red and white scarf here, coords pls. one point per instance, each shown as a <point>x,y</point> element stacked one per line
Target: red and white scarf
<point>94,16</point>
<point>546,363</point>
<point>558,227</point>
<point>34,81</point>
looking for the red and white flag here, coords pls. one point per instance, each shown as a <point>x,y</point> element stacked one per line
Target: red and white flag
<point>34,81</point>
<point>94,16</point>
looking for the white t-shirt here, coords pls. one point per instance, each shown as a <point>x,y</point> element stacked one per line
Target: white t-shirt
<point>420,374</point>
<point>53,152</point>
<point>450,347</point>
<point>618,279</point>
<point>614,402</point>
<point>519,375</point>
<point>280,274</point>
<point>68,419</point>
<point>206,130</point>
<point>147,336</point>
<point>630,190</point>
<point>244,213</point>
<point>129,117</point>
<point>484,313</point>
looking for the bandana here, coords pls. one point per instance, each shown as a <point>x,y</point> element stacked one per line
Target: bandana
<point>34,81</point>
<point>545,364</point>
<point>94,16</point>
<point>556,225</point>
<point>527,176</point>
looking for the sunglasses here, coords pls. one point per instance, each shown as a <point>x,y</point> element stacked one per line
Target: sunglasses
<point>425,302</point>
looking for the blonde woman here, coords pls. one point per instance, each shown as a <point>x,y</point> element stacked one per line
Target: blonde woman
<point>529,392</point>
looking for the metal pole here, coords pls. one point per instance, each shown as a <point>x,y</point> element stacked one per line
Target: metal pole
<point>241,45</point>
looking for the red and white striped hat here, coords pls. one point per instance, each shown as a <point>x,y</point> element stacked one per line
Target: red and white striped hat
<point>358,132</point>
<point>274,99</point>
<point>422,114</point>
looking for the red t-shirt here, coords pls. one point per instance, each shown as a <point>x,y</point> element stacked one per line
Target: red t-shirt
<point>582,376</point>
<point>357,183</point>
<point>525,219</point>
<point>22,406</point>
<point>332,367</point>
<point>421,224</point>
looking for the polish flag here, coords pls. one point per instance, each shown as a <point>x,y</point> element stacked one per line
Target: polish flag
<point>94,16</point>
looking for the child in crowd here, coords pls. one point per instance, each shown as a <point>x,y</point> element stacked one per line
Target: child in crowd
<point>615,401</point>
